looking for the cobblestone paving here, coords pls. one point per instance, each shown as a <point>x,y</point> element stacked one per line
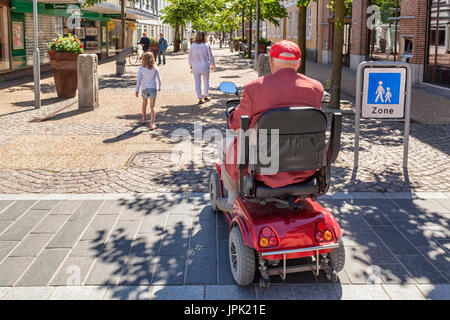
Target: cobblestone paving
<point>170,246</point>
<point>380,156</point>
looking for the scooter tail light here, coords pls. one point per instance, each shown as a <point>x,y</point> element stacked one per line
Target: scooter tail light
<point>268,238</point>
<point>323,232</point>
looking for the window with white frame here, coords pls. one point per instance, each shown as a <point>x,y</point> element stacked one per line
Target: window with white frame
<point>308,23</point>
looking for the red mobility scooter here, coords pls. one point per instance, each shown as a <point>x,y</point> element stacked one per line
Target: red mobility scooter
<point>270,226</point>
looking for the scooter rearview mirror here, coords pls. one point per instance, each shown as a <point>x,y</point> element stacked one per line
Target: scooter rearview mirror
<point>228,87</point>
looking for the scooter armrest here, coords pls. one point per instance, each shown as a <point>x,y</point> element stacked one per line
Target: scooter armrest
<point>335,138</point>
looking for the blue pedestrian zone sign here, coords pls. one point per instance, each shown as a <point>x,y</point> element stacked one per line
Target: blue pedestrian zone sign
<point>384,93</point>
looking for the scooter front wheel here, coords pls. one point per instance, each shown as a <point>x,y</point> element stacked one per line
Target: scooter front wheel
<point>242,258</point>
<point>214,191</point>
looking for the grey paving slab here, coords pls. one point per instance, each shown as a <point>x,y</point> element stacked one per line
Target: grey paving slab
<point>67,207</point>
<point>396,242</point>
<point>15,233</point>
<point>4,224</point>
<point>32,218</point>
<point>31,245</point>
<point>421,269</point>
<point>51,224</point>
<point>136,214</point>
<point>203,234</point>
<point>86,210</point>
<point>6,247</point>
<point>79,293</point>
<point>356,265</point>
<point>361,292</point>
<point>392,211</point>
<point>106,272</point>
<point>202,266</point>
<point>113,207</point>
<point>29,293</point>
<point>3,291</point>
<point>433,206</point>
<point>314,292</point>
<point>169,270</point>
<point>100,227</point>
<point>153,222</point>
<point>12,268</point>
<point>175,242</point>
<point>444,203</point>
<point>403,292</point>
<point>4,204</point>
<point>69,234</point>
<point>435,291</point>
<point>88,248</point>
<point>374,248</point>
<point>128,293</point>
<point>16,209</point>
<point>393,273</point>
<point>352,222</point>
<point>73,272</point>
<point>230,292</point>
<point>43,268</point>
<point>274,292</point>
<point>206,213</point>
<point>177,293</point>
<point>224,272</point>
<point>45,204</point>
<point>177,219</point>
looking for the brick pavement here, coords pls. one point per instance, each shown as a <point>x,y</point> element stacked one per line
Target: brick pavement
<point>75,152</point>
<point>150,246</point>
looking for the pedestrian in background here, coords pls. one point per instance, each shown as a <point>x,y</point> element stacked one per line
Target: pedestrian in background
<point>148,77</point>
<point>162,47</point>
<point>201,60</point>
<point>145,42</point>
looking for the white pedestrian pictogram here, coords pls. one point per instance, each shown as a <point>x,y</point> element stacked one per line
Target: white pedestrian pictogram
<point>380,92</point>
<point>388,95</point>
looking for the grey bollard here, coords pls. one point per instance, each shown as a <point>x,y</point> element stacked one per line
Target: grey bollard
<point>121,60</point>
<point>263,66</point>
<point>87,81</point>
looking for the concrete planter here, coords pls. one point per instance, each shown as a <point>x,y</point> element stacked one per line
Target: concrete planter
<point>64,68</point>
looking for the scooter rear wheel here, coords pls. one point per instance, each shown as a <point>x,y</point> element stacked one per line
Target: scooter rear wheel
<point>337,257</point>
<point>242,258</point>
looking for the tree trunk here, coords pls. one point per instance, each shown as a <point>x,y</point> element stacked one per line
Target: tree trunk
<point>302,37</point>
<point>175,49</point>
<point>243,24</point>
<point>250,33</point>
<point>122,17</point>
<point>336,69</point>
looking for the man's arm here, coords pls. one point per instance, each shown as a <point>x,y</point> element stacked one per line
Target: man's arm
<point>243,109</point>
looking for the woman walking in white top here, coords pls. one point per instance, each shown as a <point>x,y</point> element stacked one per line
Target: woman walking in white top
<point>148,76</point>
<point>200,60</point>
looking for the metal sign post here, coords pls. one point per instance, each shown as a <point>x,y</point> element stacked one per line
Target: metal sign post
<point>383,92</point>
<point>36,60</point>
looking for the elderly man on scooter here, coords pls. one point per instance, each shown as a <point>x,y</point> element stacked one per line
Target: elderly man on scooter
<point>283,88</point>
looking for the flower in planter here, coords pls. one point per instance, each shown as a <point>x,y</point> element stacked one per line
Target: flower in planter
<point>69,44</point>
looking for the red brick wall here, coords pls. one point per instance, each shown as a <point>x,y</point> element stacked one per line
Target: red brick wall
<point>359,27</point>
<point>414,27</point>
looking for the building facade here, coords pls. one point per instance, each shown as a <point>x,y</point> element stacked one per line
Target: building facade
<point>98,27</point>
<point>417,31</point>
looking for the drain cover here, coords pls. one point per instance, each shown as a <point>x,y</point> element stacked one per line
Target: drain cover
<point>155,159</point>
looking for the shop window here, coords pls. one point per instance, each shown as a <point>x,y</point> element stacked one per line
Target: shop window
<point>437,51</point>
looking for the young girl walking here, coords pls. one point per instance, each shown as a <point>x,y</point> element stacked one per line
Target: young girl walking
<point>148,76</point>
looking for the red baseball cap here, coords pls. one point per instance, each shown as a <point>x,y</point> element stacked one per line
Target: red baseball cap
<point>286,50</point>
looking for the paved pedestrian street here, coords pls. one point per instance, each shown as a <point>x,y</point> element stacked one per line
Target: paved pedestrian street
<point>94,205</point>
<point>170,246</point>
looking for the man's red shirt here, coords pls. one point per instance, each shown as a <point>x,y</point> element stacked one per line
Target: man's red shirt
<point>284,88</point>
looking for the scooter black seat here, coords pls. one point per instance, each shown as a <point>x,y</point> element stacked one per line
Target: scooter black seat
<point>308,187</point>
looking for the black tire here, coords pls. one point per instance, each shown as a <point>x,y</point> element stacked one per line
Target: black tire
<point>337,257</point>
<point>242,258</point>
<point>134,59</point>
<point>214,191</point>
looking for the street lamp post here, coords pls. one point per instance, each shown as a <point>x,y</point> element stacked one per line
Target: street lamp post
<point>36,60</point>
<point>257,32</point>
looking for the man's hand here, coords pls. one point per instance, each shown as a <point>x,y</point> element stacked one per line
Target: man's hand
<point>137,94</point>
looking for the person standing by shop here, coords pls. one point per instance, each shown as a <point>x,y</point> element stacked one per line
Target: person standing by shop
<point>145,42</point>
<point>200,61</point>
<point>162,47</point>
